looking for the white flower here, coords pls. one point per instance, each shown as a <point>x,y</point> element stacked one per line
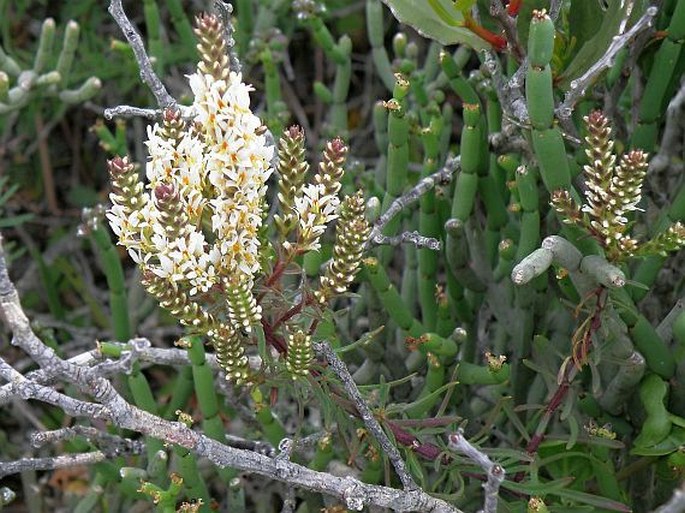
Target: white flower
<point>314,209</point>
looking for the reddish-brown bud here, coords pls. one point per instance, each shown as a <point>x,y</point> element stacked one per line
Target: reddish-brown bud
<point>165,192</point>
<point>119,166</point>
<point>294,132</point>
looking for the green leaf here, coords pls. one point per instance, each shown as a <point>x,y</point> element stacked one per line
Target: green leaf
<point>592,500</point>
<point>463,5</point>
<point>436,19</point>
<point>530,488</point>
<point>595,47</point>
<point>15,220</point>
<point>584,19</point>
<point>674,441</point>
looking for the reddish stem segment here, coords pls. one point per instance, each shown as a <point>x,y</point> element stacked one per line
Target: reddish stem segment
<point>514,7</point>
<point>498,42</point>
<point>569,373</point>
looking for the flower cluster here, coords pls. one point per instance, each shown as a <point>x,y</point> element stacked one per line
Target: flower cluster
<point>613,193</point>
<point>317,203</point>
<point>195,232</point>
<point>196,229</point>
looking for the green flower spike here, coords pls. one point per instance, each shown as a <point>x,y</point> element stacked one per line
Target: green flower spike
<point>613,192</point>
<point>292,171</point>
<point>351,234</point>
<point>300,354</point>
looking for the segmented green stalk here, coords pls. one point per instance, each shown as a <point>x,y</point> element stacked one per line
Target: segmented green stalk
<point>66,56</point>
<point>472,374</point>
<point>164,500</point>
<point>208,401</point>
<point>193,483</point>
<point>183,27</point>
<point>458,258</point>
<point>452,66</point>
<point>153,24</point>
<point>341,86</point>
<point>473,162</point>
<point>505,263</point>
<point>653,97</point>
<point>428,398</point>
<point>183,389</point>
<point>398,155</point>
<point>623,383</point>
<point>493,188</point>
<point>340,54</point>
<point>644,336</point>
<point>273,430</point>
<point>657,425</point>
<point>244,26</point>
<point>547,140</point>
<point>409,280</point>
<point>45,45</point>
<point>429,224</point>
<point>380,136</point>
<point>374,27</point>
<point>39,81</point>
<point>121,327</point>
<point>445,322</point>
<point>652,104</point>
<point>375,273</point>
<point>526,186</point>
<point>275,106</point>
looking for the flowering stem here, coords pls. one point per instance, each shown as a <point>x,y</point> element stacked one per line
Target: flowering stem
<point>293,311</point>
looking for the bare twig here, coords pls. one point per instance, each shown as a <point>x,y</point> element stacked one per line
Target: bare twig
<point>70,460</point>
<point>578,87</point>
<point>415,238</point>
<point>128,111</point>
<point>109,444</point>
<point>340,370</point>
<point>495,472</point>
<point>147,73</point>
<point>225,10</point>
<point>507,141</point>
<point>289,501</point>
<point>509,93</point>
<point>413,195</point>
<point>555,9</point>
<point>138,349</point>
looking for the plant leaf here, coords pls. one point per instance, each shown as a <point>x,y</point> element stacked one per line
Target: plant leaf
<point>593,500</point>
<point>595,47</point>
<point>437,20</point>
<point>463,5</point>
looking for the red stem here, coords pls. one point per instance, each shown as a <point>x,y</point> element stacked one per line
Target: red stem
<point>498,42</point>
<point>514,7</point>
<point>569,372</point>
